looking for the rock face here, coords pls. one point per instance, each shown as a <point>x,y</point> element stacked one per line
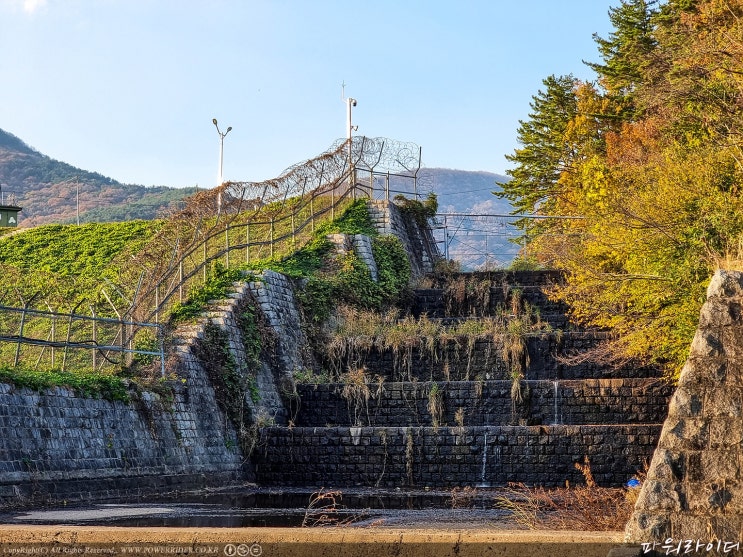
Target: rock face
<point>694,487</point>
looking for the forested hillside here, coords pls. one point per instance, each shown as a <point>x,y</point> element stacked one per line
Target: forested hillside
<point>649,159</point>
<point>48,189</point>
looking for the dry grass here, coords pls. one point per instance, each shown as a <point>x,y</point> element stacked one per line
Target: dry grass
<point>325,509</point>
<point>356,391</point>
<point>435,405</point>
<point>463,497</point>
<point>357,332</point>
<point>586,507</point>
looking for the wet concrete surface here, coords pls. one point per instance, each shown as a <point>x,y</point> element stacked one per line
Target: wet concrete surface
<point>249,521</point>
<point>261,507</point>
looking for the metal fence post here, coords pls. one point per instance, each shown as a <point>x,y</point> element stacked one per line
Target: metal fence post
<point>95,337</point>
<point>247,243</point>
<point>20,335</point>
<point>226,245</point>
<point>271,237</point>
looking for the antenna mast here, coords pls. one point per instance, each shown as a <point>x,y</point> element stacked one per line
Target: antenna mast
<point>350,128</point>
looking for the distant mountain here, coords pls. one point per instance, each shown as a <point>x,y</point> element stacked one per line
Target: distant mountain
<point>48,189</point>
<point>479,240</point>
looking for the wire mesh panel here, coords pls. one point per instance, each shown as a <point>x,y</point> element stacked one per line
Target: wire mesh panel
<point>478,241</point>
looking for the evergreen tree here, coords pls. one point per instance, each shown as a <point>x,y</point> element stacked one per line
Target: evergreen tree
<point>545,153</point>
<point>626,53</point>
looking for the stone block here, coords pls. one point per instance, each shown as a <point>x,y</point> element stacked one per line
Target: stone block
<point>706,344</point>
<point>725,284</point>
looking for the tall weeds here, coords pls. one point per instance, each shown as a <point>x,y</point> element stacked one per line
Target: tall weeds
<point>357,333</point>
<point>356,391</point>
<point>584,507</point>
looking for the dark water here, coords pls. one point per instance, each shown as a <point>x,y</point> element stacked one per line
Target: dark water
<point>265,508</point>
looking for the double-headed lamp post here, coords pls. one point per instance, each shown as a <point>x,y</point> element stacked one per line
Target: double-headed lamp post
<point>220,179</point>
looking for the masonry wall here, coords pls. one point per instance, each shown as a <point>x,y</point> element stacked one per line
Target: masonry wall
<point>55,445</point>
<point>457,361</point>
<point>419,244</point>
<point>483,293</point>
<point>610,401</point>
<point>449,457</point>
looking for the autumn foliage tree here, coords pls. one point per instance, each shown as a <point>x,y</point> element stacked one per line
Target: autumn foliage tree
<point>649,171</point>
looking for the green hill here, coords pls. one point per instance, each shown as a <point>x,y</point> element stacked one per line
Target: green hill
<point>51,191</point>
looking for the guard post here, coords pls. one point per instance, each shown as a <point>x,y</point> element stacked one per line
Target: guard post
<point>9,215</point>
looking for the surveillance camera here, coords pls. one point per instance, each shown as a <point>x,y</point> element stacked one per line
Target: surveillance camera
<point>354,102</point>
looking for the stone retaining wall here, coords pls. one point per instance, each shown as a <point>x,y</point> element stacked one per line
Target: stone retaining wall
<point>448,457</point>
<point>456,361</point>
<point>608,401</point>
<point>56,445</point>
<point>419,244</point>
<point>694,487</point>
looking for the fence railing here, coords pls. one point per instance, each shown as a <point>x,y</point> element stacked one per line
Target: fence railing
<point>236,224</point>
<point>71,340</point>
<point>241,223</point>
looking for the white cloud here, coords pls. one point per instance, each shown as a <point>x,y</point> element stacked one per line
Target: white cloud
<point>28,6</point>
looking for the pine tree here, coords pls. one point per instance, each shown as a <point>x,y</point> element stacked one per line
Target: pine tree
<point>545,154</point>
<point>627,52</point>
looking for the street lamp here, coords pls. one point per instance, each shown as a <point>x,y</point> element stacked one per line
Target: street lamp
<point>221,161</point>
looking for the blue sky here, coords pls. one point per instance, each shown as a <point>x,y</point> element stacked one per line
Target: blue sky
<point>128,88</point>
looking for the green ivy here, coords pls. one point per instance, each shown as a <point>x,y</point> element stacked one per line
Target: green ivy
<point>354,220</point>
<point>419,211</point>
<point>229,383</point>
<point>218,283</point>
<point>92,385</point>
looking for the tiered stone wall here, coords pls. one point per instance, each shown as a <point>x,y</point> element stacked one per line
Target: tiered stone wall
<point>455,361</point>
<point>464,293</point>
<point>361,245</point>
<point>419,244</point>
<point>56,445</point>
<point>449,456</point>
<point>608,401</point>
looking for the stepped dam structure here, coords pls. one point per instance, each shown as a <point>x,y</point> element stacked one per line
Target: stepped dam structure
<point>506,402</point>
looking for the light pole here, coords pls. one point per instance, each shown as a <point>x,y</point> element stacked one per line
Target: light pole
<point>221,161</point>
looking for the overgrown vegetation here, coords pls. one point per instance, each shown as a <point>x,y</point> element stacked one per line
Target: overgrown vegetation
<point>647,163</point>
<point>360,332</point>
<point>89,385</point>
<point>420,211</point>
<point>356,392</point>
<point>87,268</point>
<point>216,287</point>
<point>345,278</point>
<point>67,264</point>
<point>231,384</point>
<point>435,405</point>
<point>582,507</point>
